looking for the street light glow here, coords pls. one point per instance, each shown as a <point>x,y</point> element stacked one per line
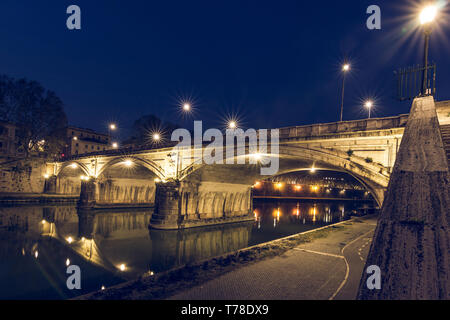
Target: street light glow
<point>232,124</point>
<point>112,126</point>
<point>156,137</point>
<point>369,105</point>
<point>257,156</point>
<point>428,14</point>
<point>346,67</point>
<point>186,107</point>
<point>115,145</point>
<point>128,163</point>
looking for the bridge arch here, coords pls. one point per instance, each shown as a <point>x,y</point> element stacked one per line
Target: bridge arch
<point>148,164</point>
<point>373,176</point>
<point>80,165</point>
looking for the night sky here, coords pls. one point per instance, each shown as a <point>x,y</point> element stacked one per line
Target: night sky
<point>270,63</point>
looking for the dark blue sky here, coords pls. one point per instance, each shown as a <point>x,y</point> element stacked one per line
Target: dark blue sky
<point>273,63</point>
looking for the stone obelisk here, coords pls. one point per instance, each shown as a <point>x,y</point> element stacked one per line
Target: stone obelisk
<point>412,241</point>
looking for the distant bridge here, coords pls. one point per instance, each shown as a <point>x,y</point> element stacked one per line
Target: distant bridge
<point>187,193</point>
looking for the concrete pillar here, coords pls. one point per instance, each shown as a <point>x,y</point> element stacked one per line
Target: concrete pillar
<point>167,206</point>
<point>88,194</point>
<point>50,185</point>
<point>411,245</point>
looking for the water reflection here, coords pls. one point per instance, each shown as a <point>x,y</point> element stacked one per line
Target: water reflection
<point>280,218</point>
<point>38,243</point>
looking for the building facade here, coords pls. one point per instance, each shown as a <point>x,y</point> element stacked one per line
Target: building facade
<point>83,141</point>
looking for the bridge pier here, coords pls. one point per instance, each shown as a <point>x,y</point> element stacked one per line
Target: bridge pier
<point>50,185</point>
<point>88,194</point>
<point>167,206</point>
<point>190,204</point>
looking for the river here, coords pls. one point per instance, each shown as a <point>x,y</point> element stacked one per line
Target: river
<point>37,243</point>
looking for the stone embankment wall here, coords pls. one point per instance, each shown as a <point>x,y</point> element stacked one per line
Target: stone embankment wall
<point>22,176</point>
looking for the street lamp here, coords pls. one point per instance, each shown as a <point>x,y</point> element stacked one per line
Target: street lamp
<point>369,105</point>
<point>156,137</point>
<point>111,127</point>
<point>232,124</point>
<point>128,163</point>
<point>115,145</point>
<point>187,107</point>
<point>427,16</point>
<point>345,69</point>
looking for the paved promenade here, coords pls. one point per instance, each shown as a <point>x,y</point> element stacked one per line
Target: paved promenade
<point>327,268</point>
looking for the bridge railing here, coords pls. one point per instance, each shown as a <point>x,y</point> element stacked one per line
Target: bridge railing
<point>313,130</point>
<point>316,130</point>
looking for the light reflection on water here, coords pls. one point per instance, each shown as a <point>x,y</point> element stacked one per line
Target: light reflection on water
<point>275,219</point>
<point>37,243</point>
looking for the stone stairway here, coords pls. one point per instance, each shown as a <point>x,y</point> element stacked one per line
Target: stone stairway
<point>445,130</point>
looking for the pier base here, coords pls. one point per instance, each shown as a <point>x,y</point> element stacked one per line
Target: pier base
<point>50,185</point>
<point>88,194</point>
<point>195,204</point>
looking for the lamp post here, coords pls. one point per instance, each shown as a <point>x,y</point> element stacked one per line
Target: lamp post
<point>345,69</point>
<point>111,127</point>
<point>427,16</point>
<point>369,105</point>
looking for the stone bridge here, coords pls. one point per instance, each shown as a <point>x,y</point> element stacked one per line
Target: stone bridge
<point>186,192</point>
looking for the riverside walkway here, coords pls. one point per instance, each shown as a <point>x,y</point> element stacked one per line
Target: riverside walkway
<point>326,268</point>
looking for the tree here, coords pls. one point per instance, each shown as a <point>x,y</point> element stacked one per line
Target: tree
<point>146,126</point>
<point>38,114</point>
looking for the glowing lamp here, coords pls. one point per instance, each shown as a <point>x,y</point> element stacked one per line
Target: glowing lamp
<point>128,163</point>
<point>428,14</point>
